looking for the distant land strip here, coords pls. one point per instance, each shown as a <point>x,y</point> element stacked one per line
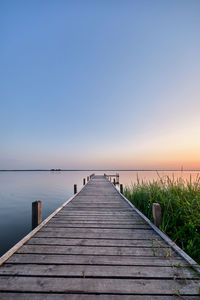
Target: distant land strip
<point>101,170</point>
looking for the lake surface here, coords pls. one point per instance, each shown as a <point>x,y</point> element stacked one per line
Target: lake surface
<point>19,189</point>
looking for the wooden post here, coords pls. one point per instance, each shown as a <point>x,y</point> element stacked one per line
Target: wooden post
<point>121,188</point>
<point>83,181</point>
<point>114,181</point>
<point>36,213</point>
<point>88,179</point>
<point>157,214</point>
<point>75,188</point>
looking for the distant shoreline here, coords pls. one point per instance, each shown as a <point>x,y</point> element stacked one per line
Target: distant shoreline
<point>102,170</point>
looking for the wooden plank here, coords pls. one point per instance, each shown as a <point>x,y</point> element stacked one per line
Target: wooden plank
<point>91,220</point>
<point>109,231</point>
<point>95,218</point>
<point>89,285</point>
<point>53,296</point>
<point>92,250</point>
<point>96,213</point>
<point>96,203</point>
<point>96,260</point>
<point>100,222</point>
<point>95,271</point>
<point>101,192</point>
<point>97,209</point>
<point>100,217</point>
<point>107,200</point>
<point>136,235</point>
<point>97,242</point>
<point>105,204</point>
<point>93,225</point>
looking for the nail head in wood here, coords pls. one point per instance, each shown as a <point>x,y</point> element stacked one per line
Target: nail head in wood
<point>36,213</point>
<point>157,214</point>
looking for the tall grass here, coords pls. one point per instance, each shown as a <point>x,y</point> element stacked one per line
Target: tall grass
<point>180,203</point>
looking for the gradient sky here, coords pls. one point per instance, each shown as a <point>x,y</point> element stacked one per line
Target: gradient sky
<point>100,84</point>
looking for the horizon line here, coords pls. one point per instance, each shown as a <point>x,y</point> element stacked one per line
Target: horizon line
<point>76,170</point>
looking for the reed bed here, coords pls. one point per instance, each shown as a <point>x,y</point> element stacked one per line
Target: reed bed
<point>180,203</point>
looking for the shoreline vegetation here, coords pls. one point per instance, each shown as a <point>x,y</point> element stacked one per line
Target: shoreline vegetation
<point>180,203</point>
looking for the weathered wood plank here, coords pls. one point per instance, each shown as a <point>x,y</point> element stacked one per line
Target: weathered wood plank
<point>92,250</point>
<point>96,260</point>
<point>94,200</point>
<point>98,230</point>
<point>86,225</point>
<point>97,210</point>
<point>97,242</point>
<point>97,218</point>
<point>95,271</point>
<point>100,222</point>
<point>52,296</point>
<point>126,212</point>
<point>95,203</point>
<point>136,235</point>
<point>89,285</point>
<point>96,192</point>
<point>96,214</point>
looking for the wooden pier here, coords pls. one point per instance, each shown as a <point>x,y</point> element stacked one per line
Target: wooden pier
<point>96,246</point>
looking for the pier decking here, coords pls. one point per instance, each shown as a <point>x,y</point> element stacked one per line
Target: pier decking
<point>97,247</point>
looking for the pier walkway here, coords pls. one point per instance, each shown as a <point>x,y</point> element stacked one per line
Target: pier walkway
<point>97,247</point>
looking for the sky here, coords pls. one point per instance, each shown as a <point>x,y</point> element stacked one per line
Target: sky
<point>100,84</point>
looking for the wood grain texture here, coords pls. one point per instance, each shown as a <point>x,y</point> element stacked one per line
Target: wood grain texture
<point>53,296</point>
<point>96,260</point>
<point>97,242</point>
<point>93,250</point>
<point>95,271</point>
<point>99,286</point>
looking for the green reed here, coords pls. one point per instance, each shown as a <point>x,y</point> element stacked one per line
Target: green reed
<point>180,203</point>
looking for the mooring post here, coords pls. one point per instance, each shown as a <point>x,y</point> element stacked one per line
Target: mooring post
<point>157,214</point>
<point>83,181</point>
<point>121,188</point>
<point>36,213</point>
<point>75,188</point>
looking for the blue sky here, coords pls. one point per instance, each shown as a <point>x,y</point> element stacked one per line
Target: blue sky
<point>99,84</point>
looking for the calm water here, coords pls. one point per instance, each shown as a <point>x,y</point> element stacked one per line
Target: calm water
<point>19,189</point>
